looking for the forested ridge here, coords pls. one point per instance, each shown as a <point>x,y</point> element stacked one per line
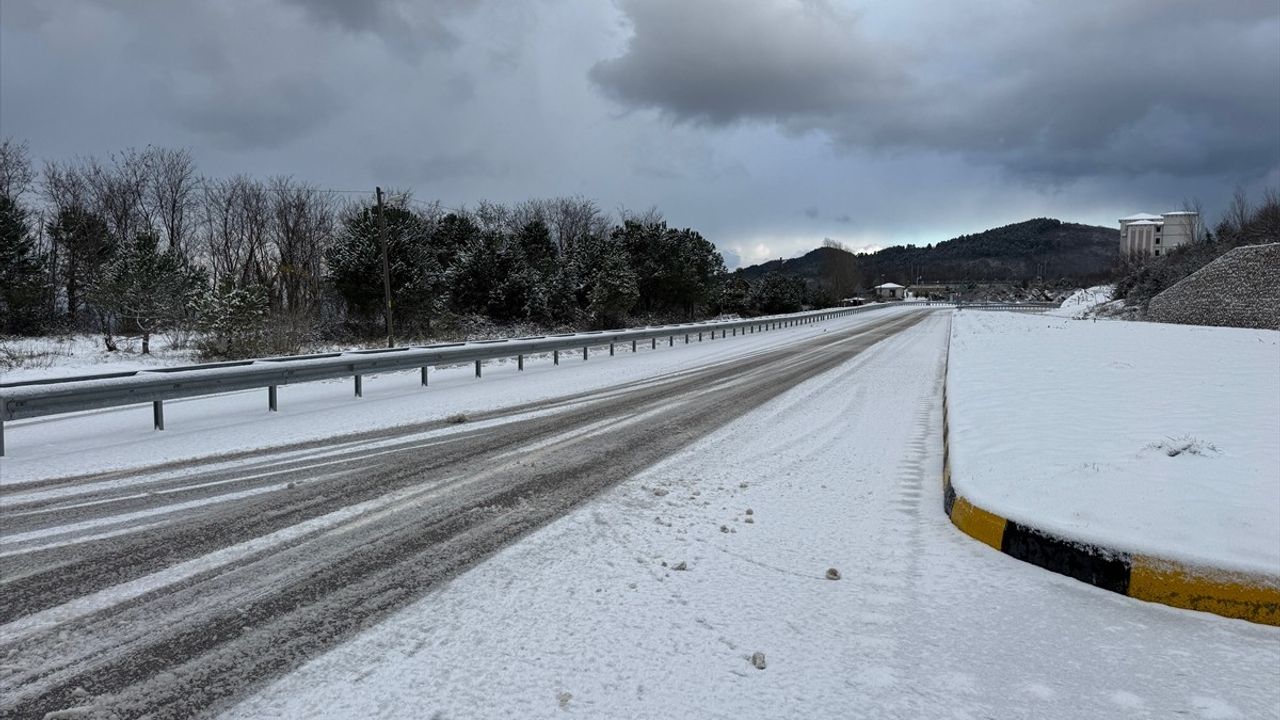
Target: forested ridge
<point>1038,250</point>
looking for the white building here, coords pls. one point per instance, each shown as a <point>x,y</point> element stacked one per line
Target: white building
<point>891,291</point>
<point>1147,234</point>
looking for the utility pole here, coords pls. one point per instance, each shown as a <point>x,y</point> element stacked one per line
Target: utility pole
<point>386,270</point>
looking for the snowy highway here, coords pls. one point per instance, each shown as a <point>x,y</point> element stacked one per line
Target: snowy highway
<point>617,550</point>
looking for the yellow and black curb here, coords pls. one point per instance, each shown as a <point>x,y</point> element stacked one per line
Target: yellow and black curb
<point>1246,596</point>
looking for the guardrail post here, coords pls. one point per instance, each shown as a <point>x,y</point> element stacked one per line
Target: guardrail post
<point>157,414</point>
<point>477,368</point>
<point>671,340</point>
<point>633,346</point>
<point>271,398</point>
<point>520,361</point>
<point>424,376</point>
<point>699,336</point>
<point>686,338</point>
<point>610,349</point>
<point>555,357</point>
<point>584,353</point>
<point>1,438</point>
<point>359,386</point>
<point>653,343</point>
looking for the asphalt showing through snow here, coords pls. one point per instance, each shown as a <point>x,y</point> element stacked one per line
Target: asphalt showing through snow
<point>172,592</point>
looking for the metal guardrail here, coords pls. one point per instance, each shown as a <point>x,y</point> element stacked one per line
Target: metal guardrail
<point>1016,307</point>
<point>39,398</point>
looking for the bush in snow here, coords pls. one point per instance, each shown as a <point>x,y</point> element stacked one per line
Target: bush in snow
<point>232,321</point>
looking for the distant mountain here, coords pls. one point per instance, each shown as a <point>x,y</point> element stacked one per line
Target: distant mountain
<point>1040,248</point>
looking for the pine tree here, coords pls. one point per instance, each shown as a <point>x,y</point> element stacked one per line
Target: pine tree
<point>607,288</point>
<point>614,291</point>
<point>677,271</point>
<point>735,295</point>
<point>778,293</point>
<point>355,269</point>
<point>85,244</point>
<point>232,320</point>
<point>24,288</point>
<point>474,277</point>
<point>144,290</point>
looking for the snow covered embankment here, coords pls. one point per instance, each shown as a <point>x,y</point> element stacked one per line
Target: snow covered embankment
<point>1081,303</point>
<point>1144,438</point>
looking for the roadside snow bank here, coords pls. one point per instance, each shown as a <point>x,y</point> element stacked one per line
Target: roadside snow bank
<point>1081,302</point>
<point>1142,437</point>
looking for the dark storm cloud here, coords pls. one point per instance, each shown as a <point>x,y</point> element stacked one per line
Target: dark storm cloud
<point>721,60</point>
<point>1128,87</point>
<point>201,68</point>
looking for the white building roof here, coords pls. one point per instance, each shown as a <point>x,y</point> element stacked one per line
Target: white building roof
<point>1146,222</point>
<point>889,286</point>
<point>1140,216</point>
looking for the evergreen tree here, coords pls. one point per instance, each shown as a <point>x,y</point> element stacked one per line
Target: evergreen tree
<point>144,290</point>
<point>735,295</point>
<point>607,287</point>
<point>355,269</point>
<point>24,287</point>
<point>233,320</point>
<point>677,271</point>
<point>474,277</point>
<point>564,306</point>
<point>539,251</point>
<point>614,291</point>
<point>85,244</point>
<point>778,293</point>
<point>452,235</point>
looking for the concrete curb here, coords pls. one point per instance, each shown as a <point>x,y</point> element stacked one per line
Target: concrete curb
<point>1245,596</point>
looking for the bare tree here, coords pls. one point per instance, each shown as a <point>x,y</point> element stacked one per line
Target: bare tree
<point>172,194</point>
<point>1239,210</point>
<point>573,220</point>
<point>16,175</point>
<point>1199,232</point>
<point>237,216</point>
<point>119,191</point>
<point>302,227</point>
<point>523,213</point>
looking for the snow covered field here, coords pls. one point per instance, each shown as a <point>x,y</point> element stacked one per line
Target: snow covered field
<point>650,601</point>
<point>1143,437</point>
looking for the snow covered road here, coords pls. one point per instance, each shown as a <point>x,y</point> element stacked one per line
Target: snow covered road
<point>167,592</point>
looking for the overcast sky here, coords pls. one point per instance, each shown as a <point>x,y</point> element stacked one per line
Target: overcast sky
<point>768,125</point>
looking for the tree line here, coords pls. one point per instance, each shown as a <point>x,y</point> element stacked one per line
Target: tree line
<point>141,243</point>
